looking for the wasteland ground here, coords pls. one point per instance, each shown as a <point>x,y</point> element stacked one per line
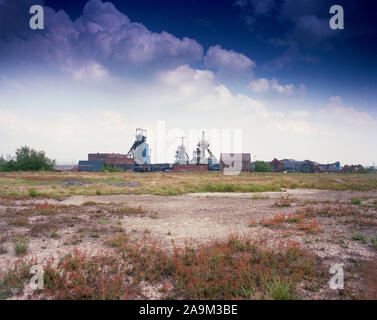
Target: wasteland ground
<point>188,235</point>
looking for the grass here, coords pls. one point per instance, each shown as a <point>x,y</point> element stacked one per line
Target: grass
<point>20,246</point>
<point>28,184</point>
<point>359,237</point>
<point>280,290</point>
<point>3,249</point>
<point>258,196</point>
<point>46,208</point>
<point>19,221</point>
<point>356,201</point>
<point>33,193</point>
<point>373,243</point>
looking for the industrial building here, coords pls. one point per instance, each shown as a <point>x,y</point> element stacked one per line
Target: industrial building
<point>308,166</point>
<point>138,159</point>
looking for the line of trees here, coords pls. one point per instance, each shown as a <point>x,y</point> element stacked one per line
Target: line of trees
<point>27,159</point>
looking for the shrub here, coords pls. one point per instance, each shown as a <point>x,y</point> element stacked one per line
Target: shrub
<point>261,166</point>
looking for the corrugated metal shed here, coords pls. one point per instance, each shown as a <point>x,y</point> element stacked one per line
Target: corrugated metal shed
<point>91,166</point>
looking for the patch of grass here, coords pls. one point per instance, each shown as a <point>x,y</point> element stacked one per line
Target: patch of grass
<point>21,221</point>
<point>309,227</point>
<point>46,208</point>
<point>98,192</point>
<point>118,241</point>
<point>14,279</point>
<point>258,196</point>
<point>33,193</point>
<point>359,237</point>
<point>356,201</point>
<point>129,211</point>
<point>294,218</point>
<point>53,234</point>
<point>280,290</point>
<point>89,203</point>
<point>94,235</point>
<point>39,229</point>
<point>373,243</point>
<point>20,246</point>
<point>3,250</point>
<point>283,202</point>
<point>80,276</point>
<point>102,221</point>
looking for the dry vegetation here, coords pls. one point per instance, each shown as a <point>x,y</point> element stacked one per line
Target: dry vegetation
<point>118,236</point>
<point>59,185</point>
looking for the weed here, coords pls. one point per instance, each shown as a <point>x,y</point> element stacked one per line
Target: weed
<point>46,208</point>
<point>373,242</point>
<point>98,192</point>
<point>258,196</point>
<point>118,241</point>
<point>94,235</point>
<point>359,237</point>
<point>356,201</point>
<point>39,229</point>
<point>102,221</point>
<point>3,249</point>
<point>283,202</point>
<point>309,227</point>
<point>20,246</point>
<point>89,203</point>
<point>53,234</point>
<point>19,221</point>
<point>252,223</point>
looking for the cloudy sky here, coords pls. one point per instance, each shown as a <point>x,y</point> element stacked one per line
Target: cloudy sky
<point>267,77</point>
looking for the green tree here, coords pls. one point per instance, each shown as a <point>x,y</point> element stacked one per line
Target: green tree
<point>27,159</point>
<point>261,166</point>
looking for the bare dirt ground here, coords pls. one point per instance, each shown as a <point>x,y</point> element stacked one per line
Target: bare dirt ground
<point>329,224</point>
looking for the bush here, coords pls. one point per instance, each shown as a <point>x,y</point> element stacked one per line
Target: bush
<point>261,166</point>
<point>109,168</point>
<point>27,159</point>
<point>33,193</point>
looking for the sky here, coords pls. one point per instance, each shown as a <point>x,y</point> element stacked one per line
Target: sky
<point>266,77</point>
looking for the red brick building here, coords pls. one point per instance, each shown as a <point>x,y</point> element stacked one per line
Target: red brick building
<point>276,165</point>
<point>111,158</point>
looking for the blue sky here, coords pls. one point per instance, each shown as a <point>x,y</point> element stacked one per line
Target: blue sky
<point>273,69</point>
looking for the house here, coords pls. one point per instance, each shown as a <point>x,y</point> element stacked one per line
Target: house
<point>235,160</point>
<point>353,169</point>
<point>276,165</point>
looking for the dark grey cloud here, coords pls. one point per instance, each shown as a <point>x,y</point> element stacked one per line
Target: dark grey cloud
<point>101,34</point>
